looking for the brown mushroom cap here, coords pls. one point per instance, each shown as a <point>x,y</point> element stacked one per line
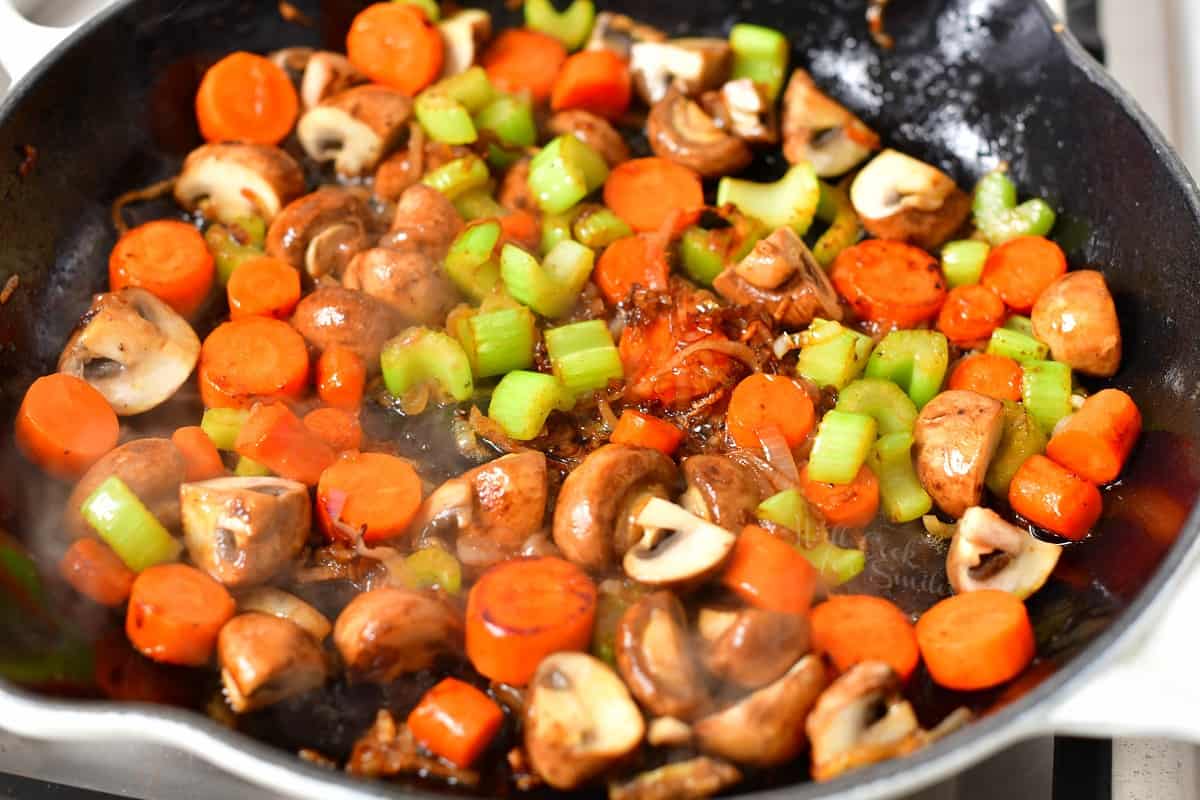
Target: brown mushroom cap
<point>355,128</point>
<point>805,292</point>
<point>680,130</point>
<point>721,491</point>
<point>227,181</point>
<point>820,130</point>
<point>265,659</point>
<point>425,221</point>
<point>1076,316</point>
<point>955,437</point>
<point>327,74</point>
<point>410,282</point>
<point>594,131</point>
<point>989,553</point>
<point>335,315</point>
<point>655,657</point>
<point>152,468</point>
<point>899,197</point>
<point>385,633</point>
<point>752,647</point>
<point>293,232</point>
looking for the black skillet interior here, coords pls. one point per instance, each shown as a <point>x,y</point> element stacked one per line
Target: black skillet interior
<point>970,83</point>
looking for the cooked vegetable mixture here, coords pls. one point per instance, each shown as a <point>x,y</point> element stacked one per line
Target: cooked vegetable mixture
<point>676,400</point>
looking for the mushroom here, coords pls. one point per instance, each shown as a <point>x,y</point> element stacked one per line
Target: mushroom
<point>990,553</point>
<point>619,33</point>
<point>655,658</point>
<point>579,719</point>
<point>821,131</point>
<point>278,603</point>
<point>693,65</point>
<point>1076,316</point>
<point>765,728</point>
<point>412,283</point>
<point>424,221</point>
<point>243,531</point>
<point>721,491</point>
<point>514,192</point>
<point>668,732</point>
<point>292,60</point>
<point>265,659</point>
<point>320,232</point>
<point>335,315</point>
<point>677,548</point>
<point>955,437</point>
<point>743,109</point>
<point>594,131</point>
<point>862,718</point>
<point>595,518</point>
<point>152,468</point>
<point>385,633</point>
<point>355,128</point>
<point>683,780</point>
<point>680,130</point>
<point>327,74</point>
<point>751,647</point>
<point>898,197</point>
<point>463,35</point>
<point>802,290</point>
<point>228,181</point>
<point>132,348</point>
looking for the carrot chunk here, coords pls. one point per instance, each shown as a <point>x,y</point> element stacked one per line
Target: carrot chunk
<point>200,455</point>
<point>1095,441</point>
<point>374,493</point>
<point>635,260</point>
<point>891,283</point>
<point>855,628</point>
<point>263,287</point>
<point>970,314</point>
<point>593,80</point>
<point>456,721</point>
<point>646,192</point>
<point>395,44</point>
<point>250,359</point>
<point>341,377</point>
<point>989,374</point>
<point>167,258</point>
<point>274,437</point>
<point>976,640</point>
<point>851,505</point>
<point>175,613</point>
<point>645,430</point>
<point>1021,269</point>
<point>96,572</point>
<point>766,401</point>
<point>336,427</point>
<point>1053,498</point>
<point>246,98</point>
<point>64,425</point>
<point>767,572</point>
<point>521,60</point>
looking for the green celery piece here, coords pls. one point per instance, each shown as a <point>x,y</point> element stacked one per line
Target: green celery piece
<point>583,356</point>
<point>837,211</point>
<point>510,118</point>
<point>998,216</point>
<point>790,202</point>
<point>423,356</point>
<point>433,568</point>
<point>522,401</point>
<point>21,571</point>
<point>444,119</point>
<point>599,227</point>
<point>557,228</point>
<point>1019,324</point>
<point>962,262</point>
<point>760,54</point>
<point>479,204</point>
<point>458,176</point>
<point>837,565</point>
<point>901,494</point>
<point>127,526</point>
<point>233,244</point>
<point>499,341</point>
<point>914,360</point>
<point>789,509</point>
<point>832,355</point>
<point>1021,439</point>
<point>249,468</point>
<point>841,446</point>
<point>552,287</point>
<point>1013,344</point>
<point>892,409</point>
<point>1046,392</point>
<point>430,7</point>
<point>472,262</point>
<point>223,425</point>
<point>564,172</point>
<point>571,27</point>
<point>471,88</point>
<point>701,254</point>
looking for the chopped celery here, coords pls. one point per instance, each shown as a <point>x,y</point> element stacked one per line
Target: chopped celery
<point>789,509</point>
<point>790,202</point>
<point>1046,392</point>
<point>479,204</point>
<point>249,468</point>
<point>223,425</point>
<point>962,262</point>
<point>499,341</point>
<point>760,54</point>
<point>472,262</point>
<point>510,118</point>
<point>430,7</point>
<point>19,570</point>
<point>1012,344</point>
<point>433,568</point>
<point>599,227</point>
<point>836,210</point>
<point>420,356</point>
<point>705,253</point>
<point>444,119</point>
<point>583,356</point>
<point>127,526</point>
<point>1019,324</point>
<point>571,27</point>
<point>557,228</point>
<point>998,216</point>
<point>841,446</point>
<point>549,288</point>
<point>832,355</point>
<point>471,88</point>
<point>914,360</point>
<point>901,494</point>
<point>564,172</point>
<point>522,401</point>
<point>892,409</point>
<point>1021,439</point>
<point>458,177</point>
<point>836,564</point>
<point>234,243</point>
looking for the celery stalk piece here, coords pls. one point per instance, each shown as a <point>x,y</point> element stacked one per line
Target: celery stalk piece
<point>422,356</point>
<point>1021,439</point>
<point>444,119</point>
<point>128,527</point>
<point>789,509</point>
<point>901,494</point>
<point>223,425</point>
<point>832,355</point>
<point>557,228</point>
<point>235,243</point>
<point>599,227</point>
<point>564,172</point>
<point>433,568</point>
<point>499,341</point>
<point>571,26</point>
<point>837,565</point>
<point>470,88</point>
<point>1046,392</point>
<point>479,204</point>
<point>790,202</point>
<point>249,468</point>
<point>430,7</point>
<point>892,409</point>
<point>962,262</point>
<point>701,255</point>
<point>836,210</point>
<point>1019,324</point>
<point>552,287</point>
<point>458,177</point>
<point>760,54</point>
<point>914,360</point>
<point>1012,344</point>
<point>472,262</point>
<point>998,216</point>
<point>522,402</point>
<point>510,118</point>
<point>841,446</point>
<point>583,356</point>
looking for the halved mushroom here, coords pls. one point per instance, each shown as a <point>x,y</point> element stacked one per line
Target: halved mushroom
<point>680,130</point>
<point>410,282</point>
<point>242,531</point>
<point>668,732</point>
<point>579,719</point>
<point>356,128</point>
<point>385,633</point>
<point>693,65</point>
<point>861,719</point>
<point>802,290</point>
<point>656,660</point>
<point>292,60</point>
<point>228,181</point>
<point>594,131</point>
<point>677,548</point>
<point>683,780</point>
<point>133,349</point>
<point>320,232</point>
<point>424,221</point>
<point>595,518</point>
<point>899,197</point>
<point>278,603</point>
<point>990,553</point>
<point>152,468</point>
<point>327,74</point>
<point>619,33</point>
<point>335,315</point>
<point>955,437</point>
<point>721,491</point>
<point>743,109</point>
<point>265,659</point>
<point>1076,316</point>
<point>765,728</point>
<point>751,647</point>
<point>820,130</point>
<point>463,35</point>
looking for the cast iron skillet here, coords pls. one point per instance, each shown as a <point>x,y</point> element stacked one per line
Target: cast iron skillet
<point>970,83</point>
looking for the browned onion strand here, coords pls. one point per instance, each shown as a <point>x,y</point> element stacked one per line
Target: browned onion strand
<point>145,194</point>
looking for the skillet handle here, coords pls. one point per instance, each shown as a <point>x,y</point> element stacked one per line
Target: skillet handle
<point>23,44</point>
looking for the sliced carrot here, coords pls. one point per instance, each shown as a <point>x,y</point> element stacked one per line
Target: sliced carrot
<point>645,192</point>
<point>767,572</point>
<point>986,373</point>
<point>249,359</point>
<point>646,430</point>
<point>891,283</point>
<point>522,60</point>
<point>167,258</point>
<point>593,80</point>
<point>976,640</point>
<point>274,437</point>
<point>1095,441</point>
<point>765,401</point>
<point>341,377</point>
<point>522,229</point>
<point>853,628</point>
<point>64,425</point>
<point>175,613</point>
<point>456,721</point>
<point>96,572</point>
<point>263,287</point>
<point>521,611</point>
<point>970,314</point>
<point>1053,498</point>
<point>374,493</point>
<point>200,455</point>
<point>635,260</point>
<point>336,427</point>
<point>851,505</point>
<point>395,44</point>
<point>246,98</point>
<point>1020,270</point>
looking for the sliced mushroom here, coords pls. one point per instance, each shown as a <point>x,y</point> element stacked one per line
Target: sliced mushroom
<point>579,719</point>
<point>385,633</point>
<point>751,647</point>
<point>356,128</point>
<point>133,349</point>
<point>327,74</point>
<point>595,518</point>
<point>424,221</point>
<point>677,548</point>
<point>243,531</point>
<point>265,659</point>
<point>228,181</point>
<point>334,315</point>
<point>721,491</point>
<point>802,290</point>
<point>292,60</point>
<point>278,603</point>
<point>655,658</point>
<point>743,109</point>
<point>321,232</point>
<point>683,780</point>
<point>668,732</point>
<point>680,130</point>
<point>765,728</point>
<point>955,437</point>
<point>861,719</point>
<point>152,468</point>
<point>594,131</point>
<point>989,553</point>
<point>693,66</point>
<point>821,131</point>
<point>898,197</point>
<point>410,282</point>
<point>1076,316</point>
<point>619,33</point>
<point>463,35</point>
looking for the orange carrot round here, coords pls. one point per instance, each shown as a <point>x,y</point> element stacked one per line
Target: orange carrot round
<point>522,229</point>
<point>167,258</point>
<point>374,493</point>
<point>976,640</point>
<point>246,98</point>
<point>200,455</point>
<point>521,611</point>
<point>763,401</point>
<point>891,283</point>
<point>396,45</point>
<point>1021,269</point>
<point>593,80</point>
<point>853,628</point>
<point>64,425</point>
<point>767,572</point>
<point>1052,498</point>
<point>1095,441</point>
<point>336,427</point>
<point>252,358</point>
<point>851,505</point>
<point>263,287</point>
<point>646,192</point>
<point>989,374</point>
<point>96,572</point>
<point>341,377</point>
<point>175,613</point>
<point>645,430</point>
<point>456,721</point>
<point>635,260</point>
<point>522,60</point>
<point>970,314</point>
<point>274,437</point>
